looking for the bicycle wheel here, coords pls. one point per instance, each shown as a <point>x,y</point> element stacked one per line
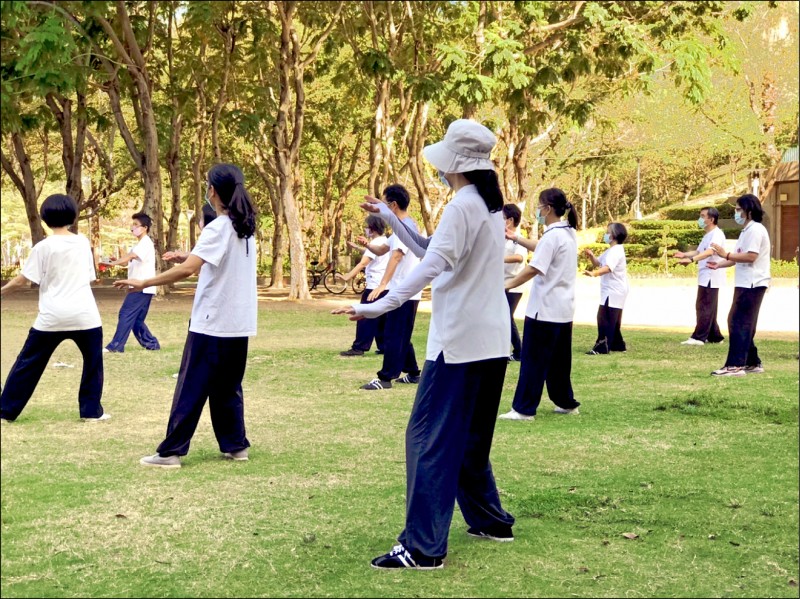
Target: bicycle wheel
<point>359,283</point>
<point>334,282</point>
<point>312,281</point>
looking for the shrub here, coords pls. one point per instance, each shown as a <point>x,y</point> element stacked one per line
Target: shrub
<point>690,213</point>
<point>647,225</point>
<point>788,269</point>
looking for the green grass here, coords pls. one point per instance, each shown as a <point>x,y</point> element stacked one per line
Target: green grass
<point>704,471</point>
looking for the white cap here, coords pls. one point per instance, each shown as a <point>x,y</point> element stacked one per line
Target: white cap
<point>466,146</point>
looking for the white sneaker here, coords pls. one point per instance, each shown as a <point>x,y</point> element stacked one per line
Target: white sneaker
<point>514,415</point>
<point>692,341</point>
<point>175,375</point>
<point>730,371</point>
<point>558,410</point>
<point>105,416</point>
<point>156,460</point>
<point>236,456</point>
<point>106,350</point>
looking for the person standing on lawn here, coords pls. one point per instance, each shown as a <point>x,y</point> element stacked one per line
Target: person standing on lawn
<point>709,281</point>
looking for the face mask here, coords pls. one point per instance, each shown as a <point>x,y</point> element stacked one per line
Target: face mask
<point>737,216</point>
<point>208,197</point>
<point>444,180</point>
<point>539,218</point>
<point>607,238</point>
<point>701,223</point>
<point>136,230</point>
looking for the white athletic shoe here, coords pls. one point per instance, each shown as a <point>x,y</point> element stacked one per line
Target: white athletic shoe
<point>104,416</point>
<point>514,415</point>
<point>106,350</point>
<point>158,461</point>
<point>558,410</point>
<point>692,341</point>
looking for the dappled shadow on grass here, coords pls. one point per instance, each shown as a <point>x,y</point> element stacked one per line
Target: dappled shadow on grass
<point>715,404</point>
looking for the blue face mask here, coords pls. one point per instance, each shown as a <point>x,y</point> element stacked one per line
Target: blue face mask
<point>444,180</point>
<point>606,238</point>
<point>738,217</point>
<point>701,223</point>
<point>539,218</point>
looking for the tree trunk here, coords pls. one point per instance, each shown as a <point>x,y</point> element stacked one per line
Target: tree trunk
<point>26,184</point>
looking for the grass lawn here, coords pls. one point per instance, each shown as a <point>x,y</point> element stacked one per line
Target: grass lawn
<point>702,472</point>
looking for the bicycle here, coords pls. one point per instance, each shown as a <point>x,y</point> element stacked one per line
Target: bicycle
<point>332,280</point>
<point>359,283</point>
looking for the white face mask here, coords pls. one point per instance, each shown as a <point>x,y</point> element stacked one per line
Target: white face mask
<point>738,217</point>
<point>444,180</point>
<point>607,238</point>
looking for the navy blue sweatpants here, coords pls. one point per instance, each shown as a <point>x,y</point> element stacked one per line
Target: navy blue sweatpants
<point>131,318</point>
<point>398,351</point>
<point>448,440</point>
<point>211,368</point>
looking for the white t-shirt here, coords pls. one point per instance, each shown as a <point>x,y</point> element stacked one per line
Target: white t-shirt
<point>407,264</point>
<point>754,238</point>
<point>556,257</point>
<point>225,304</point>
<point>614,285</point>
<point>470,312</point>
<point>63,267</point>
<point>512,269</point>
<point>704,273</point>
<point>377,266</point>
<point>145,266</point>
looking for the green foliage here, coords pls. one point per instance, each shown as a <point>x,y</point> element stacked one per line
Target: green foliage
<point>786,269</point>
<point>8,272</point>
<point>657,225</point>
<point>687,213</point>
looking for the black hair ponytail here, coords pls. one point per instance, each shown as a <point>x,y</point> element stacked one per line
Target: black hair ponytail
<point>228,181</point>
<point>488,188</point>
<point>557,199</point>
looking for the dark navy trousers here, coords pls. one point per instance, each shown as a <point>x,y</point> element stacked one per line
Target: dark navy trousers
<point>131,318</point>
<point>211,368</point>
<point>609,333</point>
<point>448,441</point>
<point>32,360</point>
<point>369,329</point>
<point>546,358</point>
<point>516,343</point>
<point>398,351</point>
<point>742,320</point>
<point>705,307</point>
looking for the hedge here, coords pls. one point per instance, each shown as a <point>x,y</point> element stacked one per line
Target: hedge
<point>649,225</point>
<point>682,238</point>
<point>689,213</point>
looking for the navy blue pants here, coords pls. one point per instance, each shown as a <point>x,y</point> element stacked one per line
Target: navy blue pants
<point>32,360</point>
<point>369,329</point>
<point>705,307</point>
<point>546,358</point>
<point>398,351</point>
<point>448,440</point>
<point>211,368</point>
<point>609,334</point>
<point>742,320</point>
<point>131,318</point>
<point>516,343</point>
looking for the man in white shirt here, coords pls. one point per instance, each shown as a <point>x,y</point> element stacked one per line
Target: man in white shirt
<point>708,281</point>
<point>514,261</point>
<point>141,263</point>
<point>398,352</point>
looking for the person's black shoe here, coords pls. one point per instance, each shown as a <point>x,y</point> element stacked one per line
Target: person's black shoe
<point>399,557</point>
<point>377,385</point>
<point>501,536</point>
<point>514,359</point>
<point>351,352</point>
<point>379,352</point>
<point>408,379</point>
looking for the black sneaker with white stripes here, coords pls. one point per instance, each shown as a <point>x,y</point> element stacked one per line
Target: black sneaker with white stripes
<point>377,385</point>
<point>400,557</point>
<point>409,379</point>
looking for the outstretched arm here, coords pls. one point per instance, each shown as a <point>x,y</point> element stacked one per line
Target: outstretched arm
<point>14,284</point>
<point>415,242</point>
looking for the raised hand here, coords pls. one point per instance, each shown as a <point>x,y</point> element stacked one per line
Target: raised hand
<point>350,311</point>
<point>137,284</point>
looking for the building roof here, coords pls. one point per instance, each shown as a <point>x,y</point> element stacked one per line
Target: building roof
<point>790,155</point>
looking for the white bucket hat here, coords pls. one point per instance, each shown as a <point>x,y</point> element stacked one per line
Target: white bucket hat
<point>466,147</point>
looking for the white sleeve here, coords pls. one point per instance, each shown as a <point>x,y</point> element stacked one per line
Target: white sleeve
<point>415,242</point>
<point>210,246</point>
<point>32,270</point>
<point>431,266</point>
<point>543,255</point>
<point>450,240</point>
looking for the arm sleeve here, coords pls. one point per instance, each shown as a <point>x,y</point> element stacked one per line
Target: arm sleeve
<point>614,258</point>
<point>33,266</point>
<point>415,242</point>
<point>431,266</point>
<point>450,239</point>
<point>543,255</point>
<point>210,247</point>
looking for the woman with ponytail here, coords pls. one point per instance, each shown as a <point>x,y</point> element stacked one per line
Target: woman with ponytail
<point>449,434</point>
<point>547,336</point>
<point>223,317</point>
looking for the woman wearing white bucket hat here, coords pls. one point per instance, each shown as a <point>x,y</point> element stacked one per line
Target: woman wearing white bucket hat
<point>449,435</point>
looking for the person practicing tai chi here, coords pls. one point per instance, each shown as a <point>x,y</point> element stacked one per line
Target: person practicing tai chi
<point>141,263</point>
<point>63,266</point>
<point>449,435</point>
<point>398,350</point>
<point>752,276</point>
<point>374,267</point>
<point>514,261</point>
<point>547,336</point>
<point>612,268</point>
<point>709,281</point>
<point>224,316</point>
